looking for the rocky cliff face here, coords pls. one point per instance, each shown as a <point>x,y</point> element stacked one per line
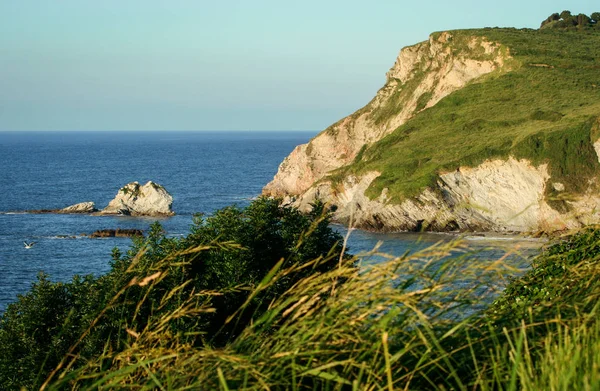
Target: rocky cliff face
<point>133,199</point>
<point>422,75</point>
<point>497,194</point>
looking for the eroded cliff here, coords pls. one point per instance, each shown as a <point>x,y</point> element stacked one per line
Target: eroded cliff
<point>493,129</point>
<point>421,76</point>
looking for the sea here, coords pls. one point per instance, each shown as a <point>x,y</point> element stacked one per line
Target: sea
<point>204,171</point>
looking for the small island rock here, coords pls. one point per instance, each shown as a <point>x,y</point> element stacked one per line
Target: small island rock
<point>82,207</point>
<point>133,199</point>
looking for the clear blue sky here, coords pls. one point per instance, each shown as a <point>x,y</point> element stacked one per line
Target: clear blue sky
<point>217,65</point>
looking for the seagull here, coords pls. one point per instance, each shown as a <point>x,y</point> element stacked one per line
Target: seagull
<point>28,245</point>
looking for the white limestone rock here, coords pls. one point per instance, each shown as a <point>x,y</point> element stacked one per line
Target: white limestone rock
<point>82,207</point>
<point>133,199</point>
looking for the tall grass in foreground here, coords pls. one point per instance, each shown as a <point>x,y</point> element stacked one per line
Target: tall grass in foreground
<point>407,323</point>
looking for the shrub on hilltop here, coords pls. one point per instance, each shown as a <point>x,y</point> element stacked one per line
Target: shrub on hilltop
<point>566,20</point>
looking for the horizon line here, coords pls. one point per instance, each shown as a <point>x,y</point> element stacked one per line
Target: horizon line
<point>157,130</point>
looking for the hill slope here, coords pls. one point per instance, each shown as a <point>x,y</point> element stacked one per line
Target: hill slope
<point>475,129</point>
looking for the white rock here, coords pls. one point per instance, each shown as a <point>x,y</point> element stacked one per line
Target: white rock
<point>133,199</point>
<point>82,207</point>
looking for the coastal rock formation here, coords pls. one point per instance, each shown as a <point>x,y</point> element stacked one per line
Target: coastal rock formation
<point>133,199</point>
<point>467,134</point>
<point>499,195</point>
<point>422,75</point>
<point>82,207</point>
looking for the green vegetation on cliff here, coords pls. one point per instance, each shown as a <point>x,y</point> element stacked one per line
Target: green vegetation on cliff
<point>545,108</point>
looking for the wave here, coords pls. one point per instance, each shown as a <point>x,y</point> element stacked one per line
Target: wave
<point>515,238</point>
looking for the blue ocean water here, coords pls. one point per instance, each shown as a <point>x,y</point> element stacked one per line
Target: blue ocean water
<point>203,171</point>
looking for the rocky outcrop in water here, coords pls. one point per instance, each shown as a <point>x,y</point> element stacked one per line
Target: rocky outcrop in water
<point>134,199</point>
<point>82,207</point>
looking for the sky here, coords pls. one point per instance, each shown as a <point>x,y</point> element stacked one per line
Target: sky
<point>217,65</point>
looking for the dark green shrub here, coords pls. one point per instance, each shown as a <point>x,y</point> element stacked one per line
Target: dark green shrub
<point>550,19</point>
<point>583,20</point>
<point>565,14</point>
<point>38,329</point>
<point>191,287</point>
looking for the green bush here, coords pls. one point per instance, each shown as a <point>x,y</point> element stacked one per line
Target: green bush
<point>391,325</point>
<point>38,329</point>
<point>189,289</point>
<point>558,284</point>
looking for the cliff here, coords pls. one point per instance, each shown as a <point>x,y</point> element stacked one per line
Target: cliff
<point>493,129</point>
<point>421,76</point>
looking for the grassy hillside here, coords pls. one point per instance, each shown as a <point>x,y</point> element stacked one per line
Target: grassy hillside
<point>545,109</point>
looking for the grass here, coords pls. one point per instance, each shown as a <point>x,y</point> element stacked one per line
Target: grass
<point>401,324</point>
<point>543,110</point>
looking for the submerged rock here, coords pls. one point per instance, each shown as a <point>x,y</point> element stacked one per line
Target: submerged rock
<point>82,207</point>
<point>133,199</point>
<point>111,233</point>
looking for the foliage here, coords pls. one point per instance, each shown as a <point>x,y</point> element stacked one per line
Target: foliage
<point>559,281</point>
<point>38,329</point>
<point>187,289</point>
<point>408,323</point>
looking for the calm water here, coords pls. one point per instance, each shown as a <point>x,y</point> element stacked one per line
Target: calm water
<point>203,171</point>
